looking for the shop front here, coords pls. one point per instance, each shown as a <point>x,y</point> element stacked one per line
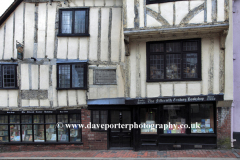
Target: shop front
<point>186,122</point>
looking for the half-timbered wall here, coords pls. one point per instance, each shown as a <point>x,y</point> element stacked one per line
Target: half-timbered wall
<point>36,26</point>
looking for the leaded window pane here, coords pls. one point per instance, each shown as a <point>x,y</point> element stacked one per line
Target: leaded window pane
<point>190,46</point>
<point>173,69</point>
<point>190,65</point>
<point>96,118</point>
<point>103,117</point>
<point>80,21</point>
<point>9,76</point>
<point>173,47</point>
<point>66,21</point>
<point>77,75</point>
<point>158,47</point>
<point>64,76</point>
<point>156,67</point>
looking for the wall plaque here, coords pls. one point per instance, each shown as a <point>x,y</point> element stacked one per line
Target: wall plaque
<point>104,76</point>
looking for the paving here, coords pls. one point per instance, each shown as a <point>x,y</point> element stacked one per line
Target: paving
<point>125,154</point>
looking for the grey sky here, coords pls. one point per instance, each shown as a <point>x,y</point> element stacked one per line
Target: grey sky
<point>4,5</point>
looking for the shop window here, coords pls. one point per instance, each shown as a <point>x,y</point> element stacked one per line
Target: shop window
<point>175,115</point>
<point>72,76</point>
<point>202,118</point>
<point>148,120</point>
<point>30,128</point>
<point>174,60</point>
<point>8,76</point>
<point>74,22</point>
<point>99,118</point>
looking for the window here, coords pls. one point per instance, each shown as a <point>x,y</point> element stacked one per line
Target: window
<point>18,126</point>
<point>202,118</point>
<point>99,118</point>
<point>73,22</point>
<point>8,76</point>
<point>72,76</point>
<point>148,119</point>
<point>174,60</point>
<point>160,1</point>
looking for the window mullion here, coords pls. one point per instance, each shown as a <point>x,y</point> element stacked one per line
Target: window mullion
<point>73,21</point>
<point>71,76</point>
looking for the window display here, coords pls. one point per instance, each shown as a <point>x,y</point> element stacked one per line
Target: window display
<point>15,133</point>
<point>175,115</point>
<point>50,118</point>
<point>27,133</point>
<point>14,118</point>
<point>202,118</point>
<point>63,134</point>
<point>39,133</point>
<point>51,135</point>
<point>26,119</point>
<point>4,133</point>
<point>148,120</point>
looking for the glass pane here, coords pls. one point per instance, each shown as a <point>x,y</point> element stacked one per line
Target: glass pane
<point>156,47</point>
<point>38,118</point>
<point>0,76</point>
<point>75,118</point>
<point>27,133</point>
<point>189,46</point>
<point>156,67</point>
<point>39,133</point>
<point>4,133</point>
<point>126,119</point>
<point>77,75</point>
<point>75,134</point>
<point>190,65</point>
<point>115,120</point>
<point>148,120</point>
<point>14,119</point>
<point>63,118</point>
<point>8,76</point>
<point>202,118</point>
<point>26,119</point>
<point>103,117</point>
<point>3,119</point>
<point>15,133</point>
<point>173,47</point>
<point>66,21</point>
<point>64,76</point>
<point>173,69</point>
<point>79,21</point>
<point>51,133</point>
<point>175,118</point>
<point>50,118</point>
<point>63,134</point>
<point>95,119</point>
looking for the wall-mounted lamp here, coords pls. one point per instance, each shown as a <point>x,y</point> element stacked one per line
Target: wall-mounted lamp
<point>34,58</point>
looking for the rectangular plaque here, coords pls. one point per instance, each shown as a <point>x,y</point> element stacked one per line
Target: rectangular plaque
<point>105,76</point>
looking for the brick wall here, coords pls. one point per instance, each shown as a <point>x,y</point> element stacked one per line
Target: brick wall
<point>224,127</point>
<point>91,140</point>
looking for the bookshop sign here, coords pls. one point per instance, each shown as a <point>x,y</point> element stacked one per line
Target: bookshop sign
<point>182,99</point>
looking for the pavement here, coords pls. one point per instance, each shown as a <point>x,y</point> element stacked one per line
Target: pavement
<point>126,154</point>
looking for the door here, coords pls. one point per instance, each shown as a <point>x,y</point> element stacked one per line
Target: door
<point>120,137</point>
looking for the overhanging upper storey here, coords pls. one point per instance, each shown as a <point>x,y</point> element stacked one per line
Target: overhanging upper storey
<point>144,18</point>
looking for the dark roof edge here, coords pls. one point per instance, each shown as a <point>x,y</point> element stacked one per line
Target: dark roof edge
<point>9,11</point>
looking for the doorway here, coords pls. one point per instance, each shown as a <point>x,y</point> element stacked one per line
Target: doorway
<point>120,137</point>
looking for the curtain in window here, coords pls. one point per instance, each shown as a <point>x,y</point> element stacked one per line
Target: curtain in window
<point>80,22</point>
<point>66,21</point>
